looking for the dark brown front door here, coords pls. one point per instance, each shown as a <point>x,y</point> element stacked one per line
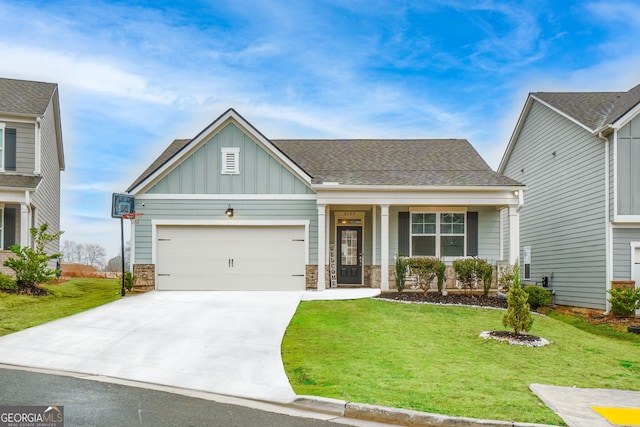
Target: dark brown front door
<point>349,255</point>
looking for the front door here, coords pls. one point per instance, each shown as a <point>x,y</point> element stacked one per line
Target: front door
<point>349,255</point>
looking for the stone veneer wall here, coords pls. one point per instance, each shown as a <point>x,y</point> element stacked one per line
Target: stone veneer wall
<point>145,275</point>
<point>450,282</point>
<point>5,255</point>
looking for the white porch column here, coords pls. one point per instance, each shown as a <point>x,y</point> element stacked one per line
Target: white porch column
<point>25,221</point>
<point>384,247</point>
<point>374,236</point>
<point>322,246</point>
<point>514,234</point>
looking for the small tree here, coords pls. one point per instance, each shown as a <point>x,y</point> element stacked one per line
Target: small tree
<point>518,315</point>
<point>30,264</point>
<point>485,272</point>
<point>401,271</point>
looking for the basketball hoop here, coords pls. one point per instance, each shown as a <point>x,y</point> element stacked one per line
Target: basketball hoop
<point>131,215</point>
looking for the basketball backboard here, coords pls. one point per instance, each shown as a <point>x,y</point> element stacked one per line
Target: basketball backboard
<point>122,204</point>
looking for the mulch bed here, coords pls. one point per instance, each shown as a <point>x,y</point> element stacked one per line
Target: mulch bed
<point>450,299</point>
<point>22,289</point>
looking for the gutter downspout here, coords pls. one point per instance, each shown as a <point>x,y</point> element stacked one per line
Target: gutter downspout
<point>608,250</point>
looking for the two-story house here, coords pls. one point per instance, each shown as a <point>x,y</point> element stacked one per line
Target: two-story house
<point>31,158</point>
<point>579,155</point>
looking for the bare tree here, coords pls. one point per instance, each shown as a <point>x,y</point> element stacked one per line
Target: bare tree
<point>94,255</point>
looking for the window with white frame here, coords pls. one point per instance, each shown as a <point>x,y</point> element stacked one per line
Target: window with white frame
<point>230,160</point>
<point>438,234</point>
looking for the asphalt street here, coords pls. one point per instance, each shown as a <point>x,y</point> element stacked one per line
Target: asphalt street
<point>90,403</point>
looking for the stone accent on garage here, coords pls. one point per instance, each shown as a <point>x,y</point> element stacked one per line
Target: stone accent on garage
<point>144,275</point>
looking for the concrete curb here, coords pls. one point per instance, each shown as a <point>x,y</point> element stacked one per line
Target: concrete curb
<point>385,414</point>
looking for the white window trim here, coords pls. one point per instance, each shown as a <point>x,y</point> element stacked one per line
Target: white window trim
<point>227,154</point>
<point>526,260</point>
<point>2,226</point>
<point>438,211</point>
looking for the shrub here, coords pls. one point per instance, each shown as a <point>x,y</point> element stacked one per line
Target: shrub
<point>624,302</point>
<point>129,280</point>
<point>538,297</point>
<point>505,277</point>
<point>31,263</point>
<point>425,269</point>
<point>518,315</point>
<point>7,282</point>
<point>469,271</point>
<point>401,271</point>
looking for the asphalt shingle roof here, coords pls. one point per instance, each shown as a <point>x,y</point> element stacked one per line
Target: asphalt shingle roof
<point>402,162</point>
<point>19,181</point>
<point>25,97</point>
<point>593,109</point>
<point>419,162</point>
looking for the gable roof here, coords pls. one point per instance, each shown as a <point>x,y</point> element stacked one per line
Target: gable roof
<point>25,98</point>
<point>594,110</point>
<point>402,162</point>
<point>19,182</point>
<point>368,162</point>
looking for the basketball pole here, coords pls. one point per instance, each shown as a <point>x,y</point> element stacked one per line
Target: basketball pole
<point>122,251</point>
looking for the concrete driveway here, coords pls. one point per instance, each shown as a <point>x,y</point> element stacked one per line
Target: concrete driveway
<point>220,342</point>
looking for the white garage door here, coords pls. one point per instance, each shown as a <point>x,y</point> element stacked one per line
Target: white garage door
<point>230,257</point>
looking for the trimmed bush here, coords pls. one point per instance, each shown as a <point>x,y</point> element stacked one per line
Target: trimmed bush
<point>505,278</point>
<point>624,302</point>
<point>7,282</point>
<point>538,297</point>
<point>425,269</point>
<point>401,272</point>
<point>469,271</point>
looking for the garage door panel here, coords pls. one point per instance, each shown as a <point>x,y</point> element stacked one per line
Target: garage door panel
<point>230,258</point>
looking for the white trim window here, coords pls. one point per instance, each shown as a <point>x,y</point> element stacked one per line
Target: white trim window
<point>230,160</point>
<point>438,234</point>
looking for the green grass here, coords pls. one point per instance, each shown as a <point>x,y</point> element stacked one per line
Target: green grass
<point>430,358</point>
<point>19,312</point>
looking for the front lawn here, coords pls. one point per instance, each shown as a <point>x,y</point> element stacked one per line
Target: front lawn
<point>19,312</point>
<point>430,358</point>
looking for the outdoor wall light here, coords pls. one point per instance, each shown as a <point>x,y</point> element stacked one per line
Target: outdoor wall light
<point>229,211</point>
<point>515,193</point>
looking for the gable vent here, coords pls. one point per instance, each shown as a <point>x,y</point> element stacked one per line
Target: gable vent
<point>230,160</point>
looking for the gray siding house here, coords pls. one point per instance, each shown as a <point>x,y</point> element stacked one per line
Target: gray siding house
<point>232,209</point>
<point>579,155</point>
<point>31,158</point>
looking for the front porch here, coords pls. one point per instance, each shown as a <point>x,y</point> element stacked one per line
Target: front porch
<point>359,242</point>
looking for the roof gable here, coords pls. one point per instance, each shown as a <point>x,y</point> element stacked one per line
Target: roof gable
<point>25,98</point>
<point>181,149</point>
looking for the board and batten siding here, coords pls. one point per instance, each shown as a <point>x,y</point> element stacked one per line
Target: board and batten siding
<point>200,173</point>
<point>563,219</point>
<point>629,168</point>
<point>203,210</point>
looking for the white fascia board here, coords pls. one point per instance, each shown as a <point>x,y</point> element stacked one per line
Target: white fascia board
<point>154,196</point>
<point>19,118</point>
<point>414,198</point>
<point>625,220</point>
<point>229,116</point>
<point>630,115</point>
<point>13,195</point>
<point>319,188</point>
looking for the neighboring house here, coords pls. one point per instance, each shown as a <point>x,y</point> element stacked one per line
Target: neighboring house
<point>579,155</point>
<point>31,158</point>
<point>231,209</point>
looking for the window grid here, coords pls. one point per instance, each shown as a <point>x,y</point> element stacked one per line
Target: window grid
<point>438,234</point>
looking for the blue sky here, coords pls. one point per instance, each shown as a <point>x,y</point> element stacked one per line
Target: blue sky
<point>134,75</point>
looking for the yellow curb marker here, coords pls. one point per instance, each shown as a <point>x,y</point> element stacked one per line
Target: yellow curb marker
<point>620,416</point>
